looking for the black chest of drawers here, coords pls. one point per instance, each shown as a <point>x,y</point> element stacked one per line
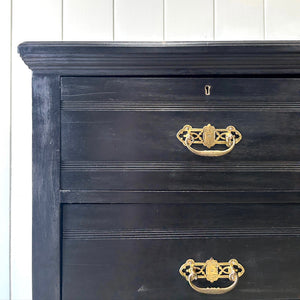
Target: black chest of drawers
<point>151,158</point>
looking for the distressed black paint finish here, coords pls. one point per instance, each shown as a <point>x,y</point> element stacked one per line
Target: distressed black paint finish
<point>148,93</point>
<point>151,136</point>
<point>179,58</point>
<point>136,204</point>
<point>172,180</point>
<point>148,269</point>
<point>179,197</point>
<point>134,252</point>
<point>46,206</point>
<point>190,216</point>
<point>120,133</point>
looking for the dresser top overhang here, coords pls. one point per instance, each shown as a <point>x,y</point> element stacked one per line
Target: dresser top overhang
<point>162,58</point>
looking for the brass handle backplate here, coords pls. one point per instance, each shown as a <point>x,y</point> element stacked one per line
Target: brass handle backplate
<point>212,270</point>
<point>209,136</point>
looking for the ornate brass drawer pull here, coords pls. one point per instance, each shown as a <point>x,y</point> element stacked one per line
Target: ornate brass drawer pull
<point>209,136</point>
<point>212,270</point>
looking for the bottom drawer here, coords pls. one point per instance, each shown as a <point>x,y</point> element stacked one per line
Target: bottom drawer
<point>135,251</point>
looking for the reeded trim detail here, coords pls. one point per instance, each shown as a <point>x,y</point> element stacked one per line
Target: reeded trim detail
<point>180,106</point>
<point>179,166</point>
<point>161,58</point>
<point>171,234</point>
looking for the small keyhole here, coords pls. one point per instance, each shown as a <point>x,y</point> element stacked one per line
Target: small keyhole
<point>207,89</point>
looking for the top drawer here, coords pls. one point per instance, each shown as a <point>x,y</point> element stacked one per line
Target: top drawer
<point>120,133</point>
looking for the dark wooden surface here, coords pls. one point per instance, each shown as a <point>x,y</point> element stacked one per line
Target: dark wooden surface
<point>176,197</point>
<point>135,251</point>
<point>161,58</point>
<point>120,133</point>
<point>46,207</point>
<point>105,144</point>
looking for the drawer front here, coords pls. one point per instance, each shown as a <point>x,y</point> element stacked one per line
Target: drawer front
<point>135,251</point>
<point>120,133</point>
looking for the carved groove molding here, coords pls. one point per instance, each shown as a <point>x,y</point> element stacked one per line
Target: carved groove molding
<point>67,105</point>
<point>160,58</point>
<point>164,234</point>
<point>183,166</point>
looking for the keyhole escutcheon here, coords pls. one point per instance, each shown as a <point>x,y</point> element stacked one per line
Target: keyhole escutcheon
<point>207,89</point>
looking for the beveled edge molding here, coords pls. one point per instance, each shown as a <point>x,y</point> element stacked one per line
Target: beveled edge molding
<point>161,58</point>
<point>186,233</point>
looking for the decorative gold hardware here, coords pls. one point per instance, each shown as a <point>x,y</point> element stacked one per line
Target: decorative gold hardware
<point>207,89</point>
<point>209,136</point>
<point>212,271</point>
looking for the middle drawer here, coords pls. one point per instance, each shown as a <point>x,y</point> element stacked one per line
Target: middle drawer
<point>120,133</point>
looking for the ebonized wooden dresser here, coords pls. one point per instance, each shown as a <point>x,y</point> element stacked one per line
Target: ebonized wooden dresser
<point>165,170</point>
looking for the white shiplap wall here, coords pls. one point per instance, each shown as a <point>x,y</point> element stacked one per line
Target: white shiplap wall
<point>5,50</point>
<point>150,20</point>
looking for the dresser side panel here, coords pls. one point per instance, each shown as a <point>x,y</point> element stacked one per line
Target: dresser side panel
<point>46,213</point>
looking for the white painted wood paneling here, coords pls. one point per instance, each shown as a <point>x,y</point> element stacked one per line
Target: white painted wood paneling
<point>282,19</point>
<point>32,20</point>
<point>5,22</point>
<point>138,20</point>
<point>88,20</point>
<point>239,20</point>
<point>189,20</point>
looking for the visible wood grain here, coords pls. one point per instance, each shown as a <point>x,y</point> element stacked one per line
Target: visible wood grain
<point>154,91</point>
<point>144,265</point>
<point>119,158</point>
<point>181,166</point>
<point>178,197</point>
<point>31,20</point>
<point>46,212</point>
<point>177,234</point>
<point>267,136</point>
<point>222,216</point>
<point>183,181</point>
<point>157,58</point>
<point>148,269</point>
<point>137,148</point>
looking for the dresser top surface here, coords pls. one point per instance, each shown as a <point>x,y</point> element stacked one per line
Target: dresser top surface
<point>154,44</point>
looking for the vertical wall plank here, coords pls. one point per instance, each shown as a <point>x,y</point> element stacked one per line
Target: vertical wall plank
<point>137,20</point>
<point>32,20</point>
<point>239,20</point>
<point>5,24</point>
<point>189,20</point>
<point>282,19</point>
<point>89,20</point>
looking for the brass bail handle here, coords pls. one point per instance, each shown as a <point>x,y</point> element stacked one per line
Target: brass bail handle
<point>209,136</point>
<point>212,270</point>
